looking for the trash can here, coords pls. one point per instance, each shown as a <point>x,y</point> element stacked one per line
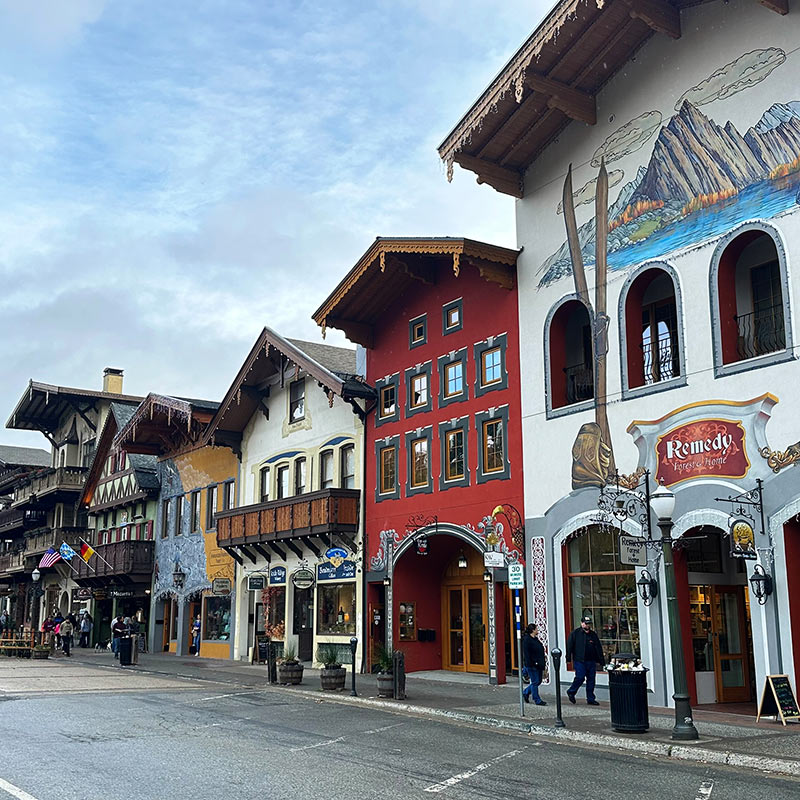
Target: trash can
<point>627,688</point>
<point>125,644</point>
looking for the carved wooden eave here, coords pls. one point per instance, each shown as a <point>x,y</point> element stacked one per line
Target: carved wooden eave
<point>388,266</point>
<point>553,80</point>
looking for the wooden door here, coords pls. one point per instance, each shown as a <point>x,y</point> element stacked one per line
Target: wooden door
<point>464,624</point>
<point>195,608</point>
<point>731,656</point>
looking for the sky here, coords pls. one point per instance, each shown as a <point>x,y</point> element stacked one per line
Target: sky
<point>174,176</point>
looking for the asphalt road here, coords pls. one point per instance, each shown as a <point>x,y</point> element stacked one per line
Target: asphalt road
<point>199,741</point>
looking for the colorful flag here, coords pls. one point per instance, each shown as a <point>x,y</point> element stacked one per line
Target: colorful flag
<point>50,558</point>
<point>67,553</point>
<point>86,552</point>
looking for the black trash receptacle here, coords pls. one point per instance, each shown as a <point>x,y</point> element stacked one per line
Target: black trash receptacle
<point>627,690</point>
<point>125,644</point>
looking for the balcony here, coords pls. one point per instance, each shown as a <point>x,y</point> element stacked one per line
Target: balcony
<point>760,332</point>
<point>13,519</point>
<point>128,562</point>
<point>41,539</point>
<point>12,563</point>
<point>291,521</point>
<point>62,480</point>
<point>580,383</point>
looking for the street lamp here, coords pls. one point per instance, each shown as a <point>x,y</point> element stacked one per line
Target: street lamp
<point>662,502</point>
<point>761,583</point>
<point>648,588</point>
<point>35,593</point>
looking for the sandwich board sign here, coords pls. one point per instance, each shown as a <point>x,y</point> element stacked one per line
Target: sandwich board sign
<point>778,700</point>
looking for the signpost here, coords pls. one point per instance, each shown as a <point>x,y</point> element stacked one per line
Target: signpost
<point>516,581</point>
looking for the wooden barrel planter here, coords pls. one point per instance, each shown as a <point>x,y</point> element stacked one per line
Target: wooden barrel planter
<point>332,678</point>
<point>291,674</point>
<point>39,654</point>
<point>385,684</point>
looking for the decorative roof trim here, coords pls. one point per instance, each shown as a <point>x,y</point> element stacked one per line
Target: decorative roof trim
<point>511,77</point>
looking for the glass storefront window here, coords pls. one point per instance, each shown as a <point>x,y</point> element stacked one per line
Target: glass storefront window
<point>217,623</point>
<point>600,585</point>
<point>336,608</point>
<point>276,611</point>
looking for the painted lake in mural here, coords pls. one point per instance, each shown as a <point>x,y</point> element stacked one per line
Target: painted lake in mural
<point>764,200</point>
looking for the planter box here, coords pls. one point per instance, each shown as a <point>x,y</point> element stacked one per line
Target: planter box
<point>333,678</point>
<point>290,674</point>
<point>385,684</point>
<point>40,654</point>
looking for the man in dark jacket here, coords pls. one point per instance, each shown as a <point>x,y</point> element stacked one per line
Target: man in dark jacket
<point>534,660</point>
<point>585,652</point>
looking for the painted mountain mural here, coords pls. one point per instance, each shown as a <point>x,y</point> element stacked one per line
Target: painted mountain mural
<point>701,180</point>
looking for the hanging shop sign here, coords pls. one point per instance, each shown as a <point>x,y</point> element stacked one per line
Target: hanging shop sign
<point>120,593</point>
<point>327,572</point>
<point>632,551</point>
<point>255,583</point>
<point>336,555</point>
<point>303,578</point>
<point>221,587</point>
<point>422,546</point>
<point>81,593</point>
<point>743,538</point>
<point>277,576</point>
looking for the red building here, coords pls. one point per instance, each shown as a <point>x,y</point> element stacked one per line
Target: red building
<point>438,319</point>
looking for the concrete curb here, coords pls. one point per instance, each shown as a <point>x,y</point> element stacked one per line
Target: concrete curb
<point>682,752</point>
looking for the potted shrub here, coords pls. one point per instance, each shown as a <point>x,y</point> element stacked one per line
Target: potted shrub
<point>41,651</point>
<point>333,673</point>
<point>384,661</point>
<point>290,670</point>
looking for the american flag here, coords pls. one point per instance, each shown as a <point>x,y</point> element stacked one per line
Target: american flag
<point>50,558</point>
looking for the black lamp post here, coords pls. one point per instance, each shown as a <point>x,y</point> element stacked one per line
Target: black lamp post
<point>353,646</point>
<point>663,504</point>
<point>35,593</point>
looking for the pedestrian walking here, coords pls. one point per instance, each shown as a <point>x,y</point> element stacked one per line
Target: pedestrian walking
<point>196,635</point>
<point>585,652</point>
<point>66,629</point>
<point>533,657</point>
<point>86,629</point>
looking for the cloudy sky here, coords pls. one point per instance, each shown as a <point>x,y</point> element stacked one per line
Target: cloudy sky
<point>173,176</point>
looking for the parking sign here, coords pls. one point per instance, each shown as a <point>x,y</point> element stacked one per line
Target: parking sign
<point>516,576</point>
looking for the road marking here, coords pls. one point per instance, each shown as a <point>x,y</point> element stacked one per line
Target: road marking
<point>221,696</point>
<point>318,744</point>
<point>462,776</point>
<point>15,791</point>
<point>704,792</point>
<point>384,728</point>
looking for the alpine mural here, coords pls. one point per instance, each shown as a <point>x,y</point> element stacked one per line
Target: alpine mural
<point>703,176</point>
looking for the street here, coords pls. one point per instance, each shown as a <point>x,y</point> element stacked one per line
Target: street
<point>77,731</point>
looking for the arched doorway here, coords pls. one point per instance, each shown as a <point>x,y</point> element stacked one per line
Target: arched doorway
<point>715,609</point>
<point>443,614</point>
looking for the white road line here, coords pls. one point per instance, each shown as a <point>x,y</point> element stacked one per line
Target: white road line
<point>704,792</point>
<point>384,728</point>
<point>318,744</point>
<point>15,791</point>
<point>221,696</point>
<point>462,776</point>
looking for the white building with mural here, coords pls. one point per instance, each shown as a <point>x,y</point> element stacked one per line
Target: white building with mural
<point>664,348</point>
<point>295,415</point>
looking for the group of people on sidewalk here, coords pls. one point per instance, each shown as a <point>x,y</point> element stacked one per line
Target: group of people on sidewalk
<point>62,629</point>
<point>584,650</point>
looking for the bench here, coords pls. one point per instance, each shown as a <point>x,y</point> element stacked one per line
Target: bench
<point>14,645</point>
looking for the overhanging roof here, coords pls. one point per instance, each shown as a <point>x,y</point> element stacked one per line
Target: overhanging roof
<point>164,425</point>
<point>42,405</point>
<point>272,356</point>
<point>552,80</point>
<point>13,456</point>
<point>390,266</point>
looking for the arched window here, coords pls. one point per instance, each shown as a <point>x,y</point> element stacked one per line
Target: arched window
<point>749,302</point>
<point>652,325</point>
<point>568,340</point>
<point>600,585</point>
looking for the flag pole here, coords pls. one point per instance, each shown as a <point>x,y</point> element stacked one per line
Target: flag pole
<point>95,553</point>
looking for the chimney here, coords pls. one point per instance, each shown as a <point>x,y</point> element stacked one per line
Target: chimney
<point>112,380</point>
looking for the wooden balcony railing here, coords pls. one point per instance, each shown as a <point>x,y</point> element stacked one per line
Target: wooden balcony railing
<point>133,559</point>
<point>328,511</point>
<point>40,540</point>
<point>12,562</point>
<point>12,519</point>
<point>59,479</point>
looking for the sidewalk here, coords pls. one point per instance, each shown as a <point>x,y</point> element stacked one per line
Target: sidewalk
<point>731,739</point>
